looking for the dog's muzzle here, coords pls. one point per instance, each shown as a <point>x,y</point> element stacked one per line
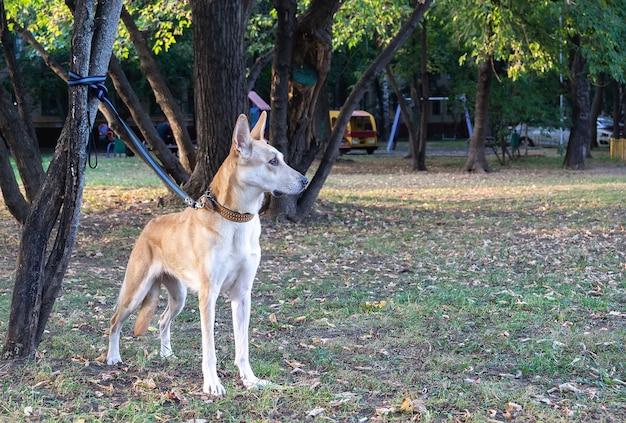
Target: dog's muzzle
<point>303,182</point>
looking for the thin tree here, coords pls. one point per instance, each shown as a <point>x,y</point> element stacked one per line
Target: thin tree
<point>311,51</point>
<point>44,253</point>
<point>332,149</point>
<point>594,35</point>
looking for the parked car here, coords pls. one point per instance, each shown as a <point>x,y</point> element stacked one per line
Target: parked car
<point>538,136</point>
<point>360,132</point>
<point>551,137</point>
<point>604,128</point>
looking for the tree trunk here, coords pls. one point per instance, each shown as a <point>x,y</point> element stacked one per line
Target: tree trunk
<point>219,84</point>
<point>302,47</point>
<point>381,115</point>
<point>257,67</point>
<point>20,93</point>
<point>125,90</point>
<point>279,118</point>
<point>332,149</point>
<point>405,111</point>
<point>419,158</point>
<point>24,149</point>
<point>17,128</point>
<point>13,198</point>
<point>596,105</point>
<point>39,274</point>
<point>169,161</point>
<point>617,108</point>
<point>477,159</point>
<point>164,97</point>
<point>581,112</point>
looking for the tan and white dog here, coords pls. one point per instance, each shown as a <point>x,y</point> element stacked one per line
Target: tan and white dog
<point>211,250</point>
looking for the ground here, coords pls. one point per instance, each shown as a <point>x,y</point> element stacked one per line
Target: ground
<point>431,296</point>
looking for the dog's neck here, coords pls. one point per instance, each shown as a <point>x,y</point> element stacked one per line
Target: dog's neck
<point>227,191</point>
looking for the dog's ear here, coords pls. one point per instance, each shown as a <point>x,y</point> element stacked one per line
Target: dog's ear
<point>241,136</point>
<point>259,129</point>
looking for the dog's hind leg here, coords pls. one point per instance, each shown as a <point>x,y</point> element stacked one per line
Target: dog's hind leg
<point>138,284</point>
<point>177,293</point>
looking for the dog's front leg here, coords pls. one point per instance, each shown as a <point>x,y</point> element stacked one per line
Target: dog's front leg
<point>240,304</point>
<point>212,384</point>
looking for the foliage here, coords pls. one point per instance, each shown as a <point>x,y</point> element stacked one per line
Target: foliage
<point>47,20</point>
<point>602,26</point>
<point>530,99</point>
<point>436,298</point>
<point>508,31</point>
<point>261,28</point>
<point>164,22</point>
<point>367,20</point>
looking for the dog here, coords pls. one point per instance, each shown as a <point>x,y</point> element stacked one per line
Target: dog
<point>211,250</point>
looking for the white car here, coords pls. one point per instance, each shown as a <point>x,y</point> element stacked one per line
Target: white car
<point>604,128</point>
<point>551,137</point>
<point>544,137</point>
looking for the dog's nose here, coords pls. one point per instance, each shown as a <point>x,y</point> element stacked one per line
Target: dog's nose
<point>304,181</point>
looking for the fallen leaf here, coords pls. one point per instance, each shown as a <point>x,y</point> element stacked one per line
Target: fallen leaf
<point>148,383</point>
<point>273,318</point>
<point>511,406</point>
<point>383,411</point>
<point>315,412</point>
<point>567,387</point>
<point>375,305</point>
<point>337,403</point>
<point>413,406</point>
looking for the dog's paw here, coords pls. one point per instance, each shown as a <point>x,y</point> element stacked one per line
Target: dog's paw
<point>114,360</point>
<point>215,389</point>
<point>167,354</point>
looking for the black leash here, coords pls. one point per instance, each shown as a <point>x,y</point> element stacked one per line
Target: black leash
<point>97,83</point>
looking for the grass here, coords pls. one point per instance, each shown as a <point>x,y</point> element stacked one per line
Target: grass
<point>432,297</point>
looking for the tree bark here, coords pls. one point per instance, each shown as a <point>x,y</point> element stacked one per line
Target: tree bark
<point>16,76</point>
<point>581,112</point>
<point>124,89</point>
<point>596,105</point>
<point>419,156</point>
<point>477,159</point>
<point>13,198</point>
<point>257,67</point>
<point>312,48</point>
<point>332,149</point>
<point>164,97</point>
<point>617,108</point>
<point>405,111</point>
<point>18,130</point>
<point>279,118</point>
<point>169,161</point>
<point>219,84</point>
<point>24,149</point>
<point>39,274</point>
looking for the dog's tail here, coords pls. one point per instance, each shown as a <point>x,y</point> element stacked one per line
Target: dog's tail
<point>147,310</point>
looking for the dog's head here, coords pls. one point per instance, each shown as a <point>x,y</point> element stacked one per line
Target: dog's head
<point>262,165</point>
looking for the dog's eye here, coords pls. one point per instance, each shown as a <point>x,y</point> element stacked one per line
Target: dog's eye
<point>274,161</point>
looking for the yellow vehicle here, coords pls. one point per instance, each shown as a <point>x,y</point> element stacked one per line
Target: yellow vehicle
<point>360,132</point>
